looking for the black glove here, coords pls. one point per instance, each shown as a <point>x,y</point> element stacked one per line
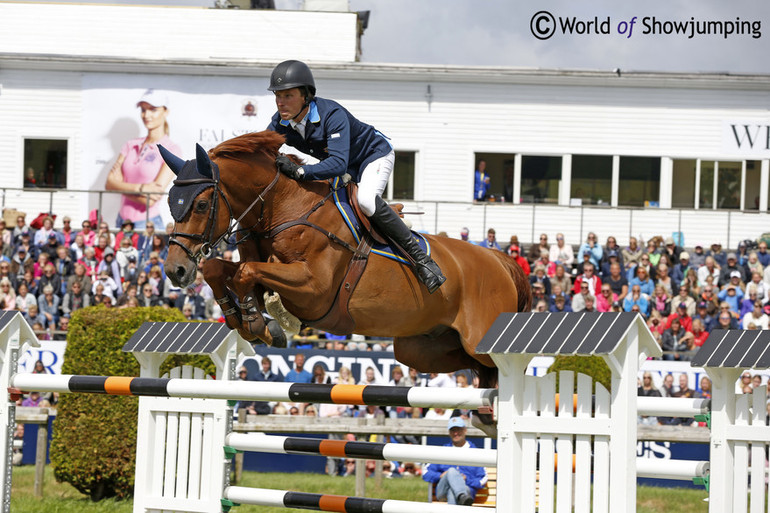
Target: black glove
<point>287,167</point>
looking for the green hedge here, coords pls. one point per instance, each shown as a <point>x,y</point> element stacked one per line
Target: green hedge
<point>94,436</point>
<point>593,366</point>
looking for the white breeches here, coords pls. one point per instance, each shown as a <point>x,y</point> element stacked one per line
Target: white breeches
<point>374,180</point>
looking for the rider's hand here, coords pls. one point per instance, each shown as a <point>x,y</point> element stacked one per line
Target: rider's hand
<point>289,168</point>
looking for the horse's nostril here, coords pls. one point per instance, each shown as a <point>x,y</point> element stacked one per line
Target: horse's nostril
<point>180,272</point>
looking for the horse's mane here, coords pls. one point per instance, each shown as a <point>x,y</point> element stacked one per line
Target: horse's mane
<point>266,142</point>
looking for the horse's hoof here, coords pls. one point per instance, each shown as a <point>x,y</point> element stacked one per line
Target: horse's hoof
<point>279,337</point>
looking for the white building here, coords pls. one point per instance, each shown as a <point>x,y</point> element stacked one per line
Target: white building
<point>567,151</point>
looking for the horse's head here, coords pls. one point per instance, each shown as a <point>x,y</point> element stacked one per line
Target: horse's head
<point>199,224</point>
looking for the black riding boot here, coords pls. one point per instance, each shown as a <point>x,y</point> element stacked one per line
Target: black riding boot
<point>391,225</point>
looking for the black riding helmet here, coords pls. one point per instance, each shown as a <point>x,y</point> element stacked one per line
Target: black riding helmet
<point>291,74</point>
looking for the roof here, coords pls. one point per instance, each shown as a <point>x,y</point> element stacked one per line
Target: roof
<point>26,333</point>
<point>180,338</point>
<point>747,349</point>
<point>585,333</point>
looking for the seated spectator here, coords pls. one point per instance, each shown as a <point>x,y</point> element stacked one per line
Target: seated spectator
<point>545,261</point>
<point>763,254</point>
<point>539,276</point>
<point>464,234</point>
<point>679,271</point>
<point>760,286</point>
<point>703,315</point>
<point>104,230</point>
<point>590,303</point>
<point>538,294</point>
<point>617,281</point>
<point>535,250</point>
<point>579,299</point>
<point>48,303</point>
<point>676,340</point>
<point>680,313</point>
<point>102,243</point>
<point>732,267</point>
<point>64,266</point>
<point>661,301</point>
<point>699,333</point>
<point>147,296</point>
<point>656,325</point>
<point>42,235</point>
<point>33,316</point>
<point>561,253</point>
<point>157,245</point>
<point>513,252</point>
<point>540,306</point>
<point>50,247</point>
<point>24,299</point>
<point>717,254</point>
<point>561,279</point>
<point>636,299</point>
<point>653,252</point>
<point>124,252</point>
<point>631,254</point>
<point>75,299</point>
<point>756,316</point>
<point>588,276</point>
<point>664,280</point>
<point>127,232</point>
<point>39,266</point>
<point>648,389</point>
<point>560,305</point>
<point>673,251</point>
<point>491,241</point>
<point>642,279</point>
<point>592,248</point>
<point>90,263</point>
<point>50,278</point>
<point>709,268</point>
<point>110,264</point>
<point>609,247</point>
<point>747,305</point>
<point>725,320</point>
<point>644,262</point>
<point>605,299</point>
<point>109,287</point>
<point>195,300</point>
<point>684,296</point>
<point>732,295</point>
<point>753,264</point>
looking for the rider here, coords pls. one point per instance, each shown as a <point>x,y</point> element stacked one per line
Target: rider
<point>343,144</point>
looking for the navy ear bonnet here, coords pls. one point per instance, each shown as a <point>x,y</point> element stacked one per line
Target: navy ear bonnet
<point>192,178</point>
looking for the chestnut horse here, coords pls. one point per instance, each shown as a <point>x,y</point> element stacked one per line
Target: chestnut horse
<point>305,265</point>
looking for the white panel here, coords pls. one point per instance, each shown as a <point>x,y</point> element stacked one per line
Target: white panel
<point>189,33</point>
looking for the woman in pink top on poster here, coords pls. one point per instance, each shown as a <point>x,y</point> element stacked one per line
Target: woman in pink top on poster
<point>140,168</point>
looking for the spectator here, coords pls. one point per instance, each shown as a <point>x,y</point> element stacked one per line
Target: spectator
<point>732,294</point>
<point>127,231</point>
<point>684,319</point>
<point>592,248</point>
<point>752,264</point>
<point>64,266</point>
<point>5,272</point>
<point>703,315</point>
<point>33,316</point>
<point>196,302</point>
<point>699,333</point>
<point>123,253</point>
<point>648,389</point>
<point>605,299</point>
<point>579,299</point>
<point>747,305</point>
<point>656,325</point>
<point>298,374</point>
<point>75,299</point>
<point>545,262</point>
<point>42,235</point>
<point>611,248</point>
<point>50,277</point>
<point>560,305</point>
<point>561,253</point>
<point>727,271</point>
<point>49,248</point>
<point>457,484</point>
<point>653,252</point>
<point>717,254</point>
<point>109,287</point>
<point>644,263</point>
<point>48,303</point>
<point>725,321</point>
<point>664,280</point>
<point>590,302</point>
<point>21,260</point>
<point>684,297</point>
<point>588,276</point>
<point>631,254</point>
<point>673,251</point>
<point>540,277</point>
<point>763,254</point>
<point>80,275</point>
<point>561,279</point>
<point>680,269</point>
<point>675,341</point>
<point>646,286</point>
<point>464,234</point>
<point>636,299</point>
<point>513,252</point>
<point>538,294</point>
<point>24,299</point>
<point>481,182</point>
<point>756,316</point>
<point>110,264</point>
<point>536,249</point>
<point>147,296</point>
<point>491,241</point>
<point>697,257</point>
<point>660,301</point>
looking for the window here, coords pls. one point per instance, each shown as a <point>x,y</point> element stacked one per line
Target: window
<point>729,185</point>
<point>401,184</point>
<point>683,184</point>
<point>500,173</point>
<point>540,178</point>
<point>751,189</point>
<point>592,179</point>
<point>45,163</point>
<point>639,183</point>
<point>706,194</point>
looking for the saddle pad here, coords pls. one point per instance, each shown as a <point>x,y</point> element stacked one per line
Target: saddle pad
<point>343,205</point>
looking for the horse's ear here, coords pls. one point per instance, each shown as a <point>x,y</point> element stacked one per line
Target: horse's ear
<point>204,163</point>
<point>173,162</point>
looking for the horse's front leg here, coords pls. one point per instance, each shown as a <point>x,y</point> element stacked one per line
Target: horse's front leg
<point>306,294</point>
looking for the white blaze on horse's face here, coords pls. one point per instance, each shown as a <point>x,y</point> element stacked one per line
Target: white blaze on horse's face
<point>289,103</point>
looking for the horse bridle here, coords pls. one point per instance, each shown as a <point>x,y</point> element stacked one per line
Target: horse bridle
<point>207,247</point>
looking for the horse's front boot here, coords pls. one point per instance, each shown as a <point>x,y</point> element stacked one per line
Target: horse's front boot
<point>253,322</point>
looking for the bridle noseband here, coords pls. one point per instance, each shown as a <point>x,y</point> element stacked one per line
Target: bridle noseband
<point>207,247</point>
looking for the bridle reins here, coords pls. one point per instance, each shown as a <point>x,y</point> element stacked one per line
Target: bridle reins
<point>207,247</point>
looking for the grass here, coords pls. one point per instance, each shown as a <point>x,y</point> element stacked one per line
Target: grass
<point>62,498</point>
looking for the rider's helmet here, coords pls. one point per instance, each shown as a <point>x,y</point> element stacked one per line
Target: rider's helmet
<point>291,74</point>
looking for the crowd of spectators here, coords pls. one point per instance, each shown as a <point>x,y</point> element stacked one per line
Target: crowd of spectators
<point>683,295</point>
<point>47,273</point>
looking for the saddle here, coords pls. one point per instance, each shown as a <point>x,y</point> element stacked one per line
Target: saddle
<point>339,313</point>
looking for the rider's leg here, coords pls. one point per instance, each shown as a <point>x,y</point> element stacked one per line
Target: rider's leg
<point>373,181</point>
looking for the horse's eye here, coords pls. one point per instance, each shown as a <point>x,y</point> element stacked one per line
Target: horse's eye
<point>202,206</point>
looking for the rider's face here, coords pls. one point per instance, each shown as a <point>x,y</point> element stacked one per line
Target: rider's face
<point>289,102</point>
